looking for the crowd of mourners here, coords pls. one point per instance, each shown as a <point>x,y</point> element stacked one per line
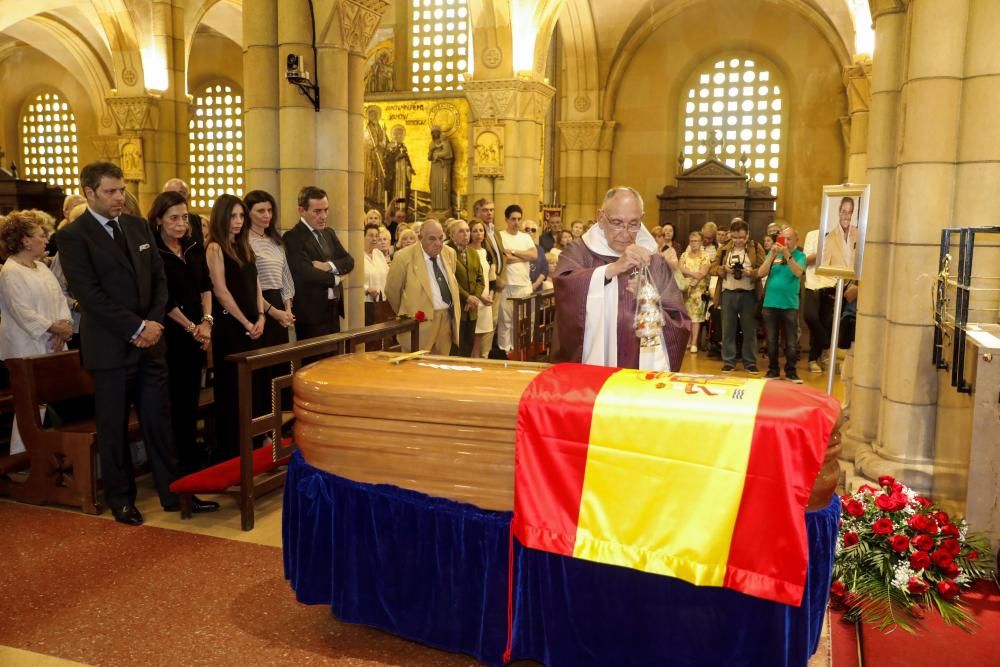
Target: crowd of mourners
<point>235,283</point>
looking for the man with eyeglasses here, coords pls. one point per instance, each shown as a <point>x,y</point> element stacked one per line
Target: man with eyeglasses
<point>539,272</point>
<point>595,292</point>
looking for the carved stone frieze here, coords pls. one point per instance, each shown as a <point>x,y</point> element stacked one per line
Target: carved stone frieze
<point>107,148</point>
<point>509,99</point>
<point>133,114</point>
<point>582,135</point>
<point>358,21</point>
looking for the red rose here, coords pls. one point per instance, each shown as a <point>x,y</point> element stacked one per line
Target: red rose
<point>924,502</point>
<point>419,316</point>
<point>886,503</point>
<point>867,488</point>
<point>950,529</point>
<point>951,570</point>
<point>923,542</point>
<point>941,518</point>
<point>951,545</point>
<point>923,524</point>
<point>919,560</point>
<point>941,558</point>
<point>886,480</point>
<point>882,527</point>
<point>899,543</point>
<point>917,585</point>
<point>972,555</point>
<point>850,539</point>
<point>948,589</point>
<point>838,589</point>
<point>855,508</point>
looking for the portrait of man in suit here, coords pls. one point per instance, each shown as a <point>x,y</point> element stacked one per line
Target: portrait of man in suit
<point>318,262</point>
<point>115,272</point>
<point>422,280</point>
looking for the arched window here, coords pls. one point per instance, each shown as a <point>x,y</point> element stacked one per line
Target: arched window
<point>49,146</point>
<point>733,105</point>
<point>439,41</point>
<point>215,133</point>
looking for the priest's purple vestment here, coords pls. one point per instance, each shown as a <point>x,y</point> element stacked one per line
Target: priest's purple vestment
<point>572,280</point>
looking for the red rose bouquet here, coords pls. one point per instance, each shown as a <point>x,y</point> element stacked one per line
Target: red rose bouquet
<point>899,555</point>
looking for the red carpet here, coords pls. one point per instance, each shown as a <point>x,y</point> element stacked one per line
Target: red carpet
<point>88,589</point>
<point>936,645</point>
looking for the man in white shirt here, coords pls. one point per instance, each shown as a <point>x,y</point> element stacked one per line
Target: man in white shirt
<point>519,251</point>
<point>818,305</point>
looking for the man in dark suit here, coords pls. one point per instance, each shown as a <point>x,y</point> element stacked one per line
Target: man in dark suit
<point>113,268</point>
<point>318,263</point>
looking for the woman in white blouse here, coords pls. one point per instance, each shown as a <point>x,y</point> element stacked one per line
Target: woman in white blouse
<point>376,270</point>
<point>34,316</point>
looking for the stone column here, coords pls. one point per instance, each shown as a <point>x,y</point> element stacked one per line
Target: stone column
<point>260,100</point>
<point>296,136</point>
<point>519,105</point>
<point>931,100</point>
<point>136,119</point>
<point>887,76</point>
<point>586,170</point>
<point>976,201</point>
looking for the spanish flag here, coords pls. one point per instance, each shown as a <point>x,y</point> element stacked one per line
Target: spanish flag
<point>697,477</point>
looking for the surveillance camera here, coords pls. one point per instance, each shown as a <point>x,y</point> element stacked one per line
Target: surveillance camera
<point>294,65</point>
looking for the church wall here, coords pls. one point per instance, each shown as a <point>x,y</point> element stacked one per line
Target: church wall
<point>646,107</point>
<point>46,74</point>
<point>214,57</point>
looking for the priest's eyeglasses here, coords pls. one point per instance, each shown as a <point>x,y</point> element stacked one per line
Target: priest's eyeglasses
<point>618,225</point>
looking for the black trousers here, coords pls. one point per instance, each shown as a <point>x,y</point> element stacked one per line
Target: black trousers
<point>818,305</point>
<point>185,360</point>
<point>466,337</point>
<point>274,334</point>
<point>145,385</point>
<point>228,337</point>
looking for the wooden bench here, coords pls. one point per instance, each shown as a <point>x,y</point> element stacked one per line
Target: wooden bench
<point>62,459</point>
<point>256,471</point>
<point>533,321</point>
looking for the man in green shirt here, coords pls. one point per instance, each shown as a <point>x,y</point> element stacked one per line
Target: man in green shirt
<point>782,269</point>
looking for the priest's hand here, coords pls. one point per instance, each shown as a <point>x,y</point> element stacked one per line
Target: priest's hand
<point>634,257</point>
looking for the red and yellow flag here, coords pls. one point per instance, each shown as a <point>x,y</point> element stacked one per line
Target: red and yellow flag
<point>697,477</point>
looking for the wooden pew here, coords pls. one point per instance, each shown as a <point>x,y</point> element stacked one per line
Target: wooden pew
<point>63,459</point>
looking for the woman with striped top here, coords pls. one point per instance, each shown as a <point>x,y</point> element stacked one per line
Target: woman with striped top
<point>272,268</point>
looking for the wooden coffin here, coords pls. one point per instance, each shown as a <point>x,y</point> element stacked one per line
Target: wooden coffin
<point>443,426</point>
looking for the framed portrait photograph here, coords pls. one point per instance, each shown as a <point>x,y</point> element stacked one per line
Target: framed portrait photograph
<point>843,223</point>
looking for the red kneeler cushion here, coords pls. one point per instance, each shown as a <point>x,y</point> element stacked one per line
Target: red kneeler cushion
<point>221,476</point>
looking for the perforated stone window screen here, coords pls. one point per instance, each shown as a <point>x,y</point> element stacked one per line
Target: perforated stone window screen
<point>736,103</point>
<point>215,133</point>
<point>49,146</point>
<point>439,44</point>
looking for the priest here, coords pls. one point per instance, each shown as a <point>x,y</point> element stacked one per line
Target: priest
<point>595,282</point>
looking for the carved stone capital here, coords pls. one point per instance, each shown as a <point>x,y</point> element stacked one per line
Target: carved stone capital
<point>133,114</point>
<point>858,82</point>
<point>509,99</point>
<point>582,135</point>
<point>358,21</point>
<point>107,148</point>
<point>880,8</point>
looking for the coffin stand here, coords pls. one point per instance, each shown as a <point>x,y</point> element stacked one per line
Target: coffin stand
<point>397,513</point>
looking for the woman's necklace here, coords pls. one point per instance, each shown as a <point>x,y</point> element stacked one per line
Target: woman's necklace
<point>31,265</point>
<point>259,235</point>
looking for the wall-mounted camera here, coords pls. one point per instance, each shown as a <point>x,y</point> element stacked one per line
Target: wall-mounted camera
<point>298,77</point>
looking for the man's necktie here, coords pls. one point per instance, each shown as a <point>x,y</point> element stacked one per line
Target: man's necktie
<point>322,243</point>
<point>119,237</point>
<point>442,282</point>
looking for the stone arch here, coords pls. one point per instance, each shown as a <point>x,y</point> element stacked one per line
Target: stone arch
<point>123,34</point>
<point>643,25</point>
<point>195,15</point>
<point>579,42</point>
<point>77,55</point>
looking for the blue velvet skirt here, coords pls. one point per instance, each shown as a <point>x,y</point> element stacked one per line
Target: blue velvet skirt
<point>435,571</point>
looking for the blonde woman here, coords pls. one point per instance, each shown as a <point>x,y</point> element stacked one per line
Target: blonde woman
<point>694,265</point>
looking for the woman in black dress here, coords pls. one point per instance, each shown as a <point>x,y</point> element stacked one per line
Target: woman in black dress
<point>188,328</point>
<point>238,306</point>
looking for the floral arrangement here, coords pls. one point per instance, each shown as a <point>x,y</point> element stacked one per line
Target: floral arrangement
<point>899,556</point>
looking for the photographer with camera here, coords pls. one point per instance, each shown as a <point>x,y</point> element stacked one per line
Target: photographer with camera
<point>783,268</point>
<point>736,265</point>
